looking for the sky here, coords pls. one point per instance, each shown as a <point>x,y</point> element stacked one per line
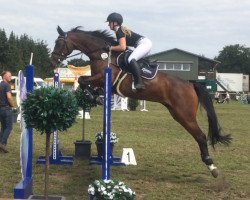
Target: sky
<point>201,27</point>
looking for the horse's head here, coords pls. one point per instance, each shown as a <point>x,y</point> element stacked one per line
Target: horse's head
<point>62,48</point>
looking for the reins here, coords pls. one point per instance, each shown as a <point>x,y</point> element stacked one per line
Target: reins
<point>74,55</point>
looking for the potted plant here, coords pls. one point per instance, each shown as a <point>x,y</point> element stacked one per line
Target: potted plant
<point>47,110</point>
<point>99,142</point>
<point>83,147</point>
<point>110,189</point>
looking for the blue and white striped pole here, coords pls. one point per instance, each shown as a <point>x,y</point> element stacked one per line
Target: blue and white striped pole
<point>55,144</point>
<point>25,187</point>
<point>29,87</point>
<point>106,161</point>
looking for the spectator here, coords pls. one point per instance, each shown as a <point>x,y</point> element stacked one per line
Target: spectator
<point>6,105</point>
<point>227,98</point>
<point>216,97</point>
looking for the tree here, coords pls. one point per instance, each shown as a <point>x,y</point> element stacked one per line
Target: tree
<point>42,60</point>
<point>47,110</point>
<point>85,104</point>
<point>234,59</point>
<point>15,54</point>
<point>78,62</point>
<point>3,50</point>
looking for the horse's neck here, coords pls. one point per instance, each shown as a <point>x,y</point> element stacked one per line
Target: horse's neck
<point>88,45</point>
<point>84,43</point>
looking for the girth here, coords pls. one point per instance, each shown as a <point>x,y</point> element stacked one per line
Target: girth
<point>118,80</point>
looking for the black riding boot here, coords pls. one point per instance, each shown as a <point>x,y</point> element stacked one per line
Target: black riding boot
<point>136,70</point>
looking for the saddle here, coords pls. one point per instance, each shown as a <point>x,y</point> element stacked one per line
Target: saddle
<point>148,68</point>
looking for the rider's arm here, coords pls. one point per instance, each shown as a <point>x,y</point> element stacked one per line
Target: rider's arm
<point>121,46</point>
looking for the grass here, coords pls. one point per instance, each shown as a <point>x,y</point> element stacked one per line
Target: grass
<point>168,159</point>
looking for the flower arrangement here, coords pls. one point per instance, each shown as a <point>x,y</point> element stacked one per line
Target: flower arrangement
<point>113,137</point>
<point>110,189</point>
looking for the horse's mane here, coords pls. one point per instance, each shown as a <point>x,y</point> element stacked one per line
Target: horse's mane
<point>102,34</point>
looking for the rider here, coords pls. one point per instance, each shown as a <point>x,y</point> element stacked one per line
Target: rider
<point>126,37</point>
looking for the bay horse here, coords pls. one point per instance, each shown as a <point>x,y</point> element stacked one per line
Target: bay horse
<point>180,97</point>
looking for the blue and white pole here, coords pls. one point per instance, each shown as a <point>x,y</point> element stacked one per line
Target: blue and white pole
<point>56,153</point>
<point>106,161</point>
<point>25,187</point>
<point>29,87</point>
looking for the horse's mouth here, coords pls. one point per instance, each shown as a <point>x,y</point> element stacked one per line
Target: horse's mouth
<point>53,63</point>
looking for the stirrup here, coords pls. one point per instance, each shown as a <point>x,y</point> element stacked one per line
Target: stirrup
<point>139,86</point>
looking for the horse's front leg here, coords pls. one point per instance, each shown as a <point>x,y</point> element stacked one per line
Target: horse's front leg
<point>95,80</point>
<point>92,93</point>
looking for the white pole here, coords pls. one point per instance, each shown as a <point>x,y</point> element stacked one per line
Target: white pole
<point>31,58</point>
<point>144,106</point>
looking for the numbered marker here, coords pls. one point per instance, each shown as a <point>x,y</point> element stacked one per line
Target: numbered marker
<point>87,115</point>
<point>128,156</point>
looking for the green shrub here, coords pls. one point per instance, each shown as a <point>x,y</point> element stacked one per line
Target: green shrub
<point>50,109</point>
<point>83,101</point>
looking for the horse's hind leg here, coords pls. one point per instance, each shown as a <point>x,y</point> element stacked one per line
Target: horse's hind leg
<point>190,124</point>
<point>201,139</point>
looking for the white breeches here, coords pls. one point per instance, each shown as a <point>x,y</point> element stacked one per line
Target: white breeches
<point>143,48</point>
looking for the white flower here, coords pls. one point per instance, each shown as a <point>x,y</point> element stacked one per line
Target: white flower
<point>109,189</point>
<point>91,190</point>
<point>113,137</point>
<point>120,183</point>
<point>108,181</point>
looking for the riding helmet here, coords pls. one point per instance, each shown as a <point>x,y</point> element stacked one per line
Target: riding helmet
<point>115,17</point>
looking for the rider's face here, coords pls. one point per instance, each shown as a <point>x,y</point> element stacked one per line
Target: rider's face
<point>112,25</point>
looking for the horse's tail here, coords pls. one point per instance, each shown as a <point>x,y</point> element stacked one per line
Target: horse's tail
<point>214,130</point>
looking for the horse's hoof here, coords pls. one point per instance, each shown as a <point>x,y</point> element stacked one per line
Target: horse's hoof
<point>215,173</point>
<point>100,100</point>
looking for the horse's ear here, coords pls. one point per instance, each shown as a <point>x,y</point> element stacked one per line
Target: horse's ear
<point>60,31</point>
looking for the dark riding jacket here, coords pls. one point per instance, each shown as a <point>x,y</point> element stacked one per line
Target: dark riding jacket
<point>132,40</point>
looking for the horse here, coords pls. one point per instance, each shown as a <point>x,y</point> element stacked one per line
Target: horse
<point>182,98</point>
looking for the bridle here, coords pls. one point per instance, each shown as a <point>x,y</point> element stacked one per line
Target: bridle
<point>63,56</point>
